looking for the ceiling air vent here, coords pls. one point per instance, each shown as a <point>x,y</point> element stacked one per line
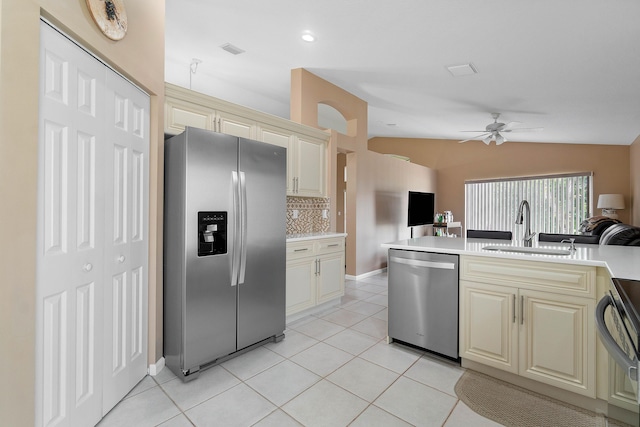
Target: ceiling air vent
<point>462,70</point>
<point>235,50</point>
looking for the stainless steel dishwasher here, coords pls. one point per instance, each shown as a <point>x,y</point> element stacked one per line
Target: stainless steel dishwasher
<point>423,300</point>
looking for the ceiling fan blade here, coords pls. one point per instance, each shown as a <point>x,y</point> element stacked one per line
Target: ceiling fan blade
<point>481,136</point>
<point>483,131</point>
<point>526,130</point>
<point>509,126</point>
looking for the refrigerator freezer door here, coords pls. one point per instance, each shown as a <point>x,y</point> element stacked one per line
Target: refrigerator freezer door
<point>210,298</point>
<point>261,298</point>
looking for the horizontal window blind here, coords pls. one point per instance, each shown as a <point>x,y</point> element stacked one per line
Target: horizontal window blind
<point>559,203</point>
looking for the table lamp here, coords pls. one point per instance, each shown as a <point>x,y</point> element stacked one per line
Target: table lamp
<point>609,203</point>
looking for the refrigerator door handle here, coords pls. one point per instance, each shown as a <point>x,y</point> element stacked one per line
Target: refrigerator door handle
<point>235,253</point>
<point>243,227</point>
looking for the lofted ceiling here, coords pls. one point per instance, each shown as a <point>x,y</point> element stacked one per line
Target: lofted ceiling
<point>571,67</point>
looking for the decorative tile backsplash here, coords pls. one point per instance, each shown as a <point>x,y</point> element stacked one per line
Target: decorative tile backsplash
<point>305,215</point>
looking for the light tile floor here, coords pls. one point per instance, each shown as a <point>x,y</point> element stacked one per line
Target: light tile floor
<point>332,369</point>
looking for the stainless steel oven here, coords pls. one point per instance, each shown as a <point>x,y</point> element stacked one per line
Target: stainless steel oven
<point>619,331</point>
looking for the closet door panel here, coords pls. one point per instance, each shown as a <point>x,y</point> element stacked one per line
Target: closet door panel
<point>70,235</point>
<point>126,266</point>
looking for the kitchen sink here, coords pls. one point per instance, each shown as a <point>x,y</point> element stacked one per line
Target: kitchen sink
<point>525,250</point>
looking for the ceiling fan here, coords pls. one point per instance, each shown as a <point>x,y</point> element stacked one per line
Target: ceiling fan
<point>494,131</point>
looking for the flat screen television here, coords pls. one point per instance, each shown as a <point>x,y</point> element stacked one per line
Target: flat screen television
<point>421,208</point>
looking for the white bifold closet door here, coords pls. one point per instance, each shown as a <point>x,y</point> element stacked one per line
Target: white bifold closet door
<point>92,231</point>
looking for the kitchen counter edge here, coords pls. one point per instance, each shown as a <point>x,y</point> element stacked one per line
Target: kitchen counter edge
<point>313,236</point>
<point>621,261</point>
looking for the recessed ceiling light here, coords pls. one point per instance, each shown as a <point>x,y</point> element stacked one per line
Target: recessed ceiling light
<point>308,37</point>
<point>462,70</point>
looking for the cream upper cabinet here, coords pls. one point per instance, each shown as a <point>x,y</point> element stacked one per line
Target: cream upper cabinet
<point>306,160</point>
<point>178,114</point>
<point>315,273</point>
<point>309,167</point>
<point>539,329</point>
<point>235,125</point>
<point>282,138</point>
<point>306,146</point>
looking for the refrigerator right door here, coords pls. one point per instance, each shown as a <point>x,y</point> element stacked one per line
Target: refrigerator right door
<point>210,294</point>
<point>261,293</point>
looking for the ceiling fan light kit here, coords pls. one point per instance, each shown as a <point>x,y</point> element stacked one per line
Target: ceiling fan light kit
<point>493,131</point>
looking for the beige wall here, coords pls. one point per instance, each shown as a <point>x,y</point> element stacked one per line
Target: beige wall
<point>456,163</point>
<point>140,57</point>
<point>376,185</point>
<point>634,160</point>
<point>383,184</point>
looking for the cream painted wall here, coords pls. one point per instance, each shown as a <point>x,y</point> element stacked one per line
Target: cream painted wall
<point>456,163</point>
<point>383,185</point>
<point>140,57</point>
<point>634,159</point>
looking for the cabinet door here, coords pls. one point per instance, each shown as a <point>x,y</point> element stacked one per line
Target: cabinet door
<point>310,168</point>
<point>488,325</point>
<point>282,138</point>
<point>301,284</point>
<point>178,114</point>
<point>622,390</point>
<point>557,341</point>
<point>331,276</point>
<point>235,125</point>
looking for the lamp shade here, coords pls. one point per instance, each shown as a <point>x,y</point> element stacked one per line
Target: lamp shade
<point>610,201</point>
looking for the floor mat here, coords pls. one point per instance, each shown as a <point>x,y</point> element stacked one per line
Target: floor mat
<point>514,406</point>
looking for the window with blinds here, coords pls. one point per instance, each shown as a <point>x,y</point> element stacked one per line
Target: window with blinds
<point>559,203</point>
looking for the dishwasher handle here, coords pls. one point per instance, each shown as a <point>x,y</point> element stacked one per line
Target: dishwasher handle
<point>422,263</point>
<point>609,342</point>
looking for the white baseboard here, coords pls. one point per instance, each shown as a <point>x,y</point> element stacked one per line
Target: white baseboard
<point>362,276</point>
<point>155,368</point>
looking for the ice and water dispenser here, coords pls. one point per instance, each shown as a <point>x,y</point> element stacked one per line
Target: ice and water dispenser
<point>212,233</point>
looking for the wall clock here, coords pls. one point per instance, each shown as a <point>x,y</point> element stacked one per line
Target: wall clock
<point>110,16</point>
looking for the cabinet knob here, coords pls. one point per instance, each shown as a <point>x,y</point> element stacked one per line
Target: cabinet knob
<point>121,259</point>
<point>87,267</point>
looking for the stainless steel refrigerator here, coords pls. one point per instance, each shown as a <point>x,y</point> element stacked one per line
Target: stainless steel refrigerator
<point>224,247</point>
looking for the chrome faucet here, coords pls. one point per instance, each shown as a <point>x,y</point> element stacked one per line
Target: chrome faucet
<point>572,244</point>
<point>528,235</point>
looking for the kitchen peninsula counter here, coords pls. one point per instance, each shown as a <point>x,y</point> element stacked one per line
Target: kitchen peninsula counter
<point>621,261</point>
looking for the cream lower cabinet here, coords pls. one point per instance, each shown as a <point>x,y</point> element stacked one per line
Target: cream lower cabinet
<point>538,334</point>
<point>315,273</point>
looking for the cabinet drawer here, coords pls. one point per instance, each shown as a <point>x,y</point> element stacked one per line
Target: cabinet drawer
<point>325,246</point>
<point>568,279</point>
<point>300,249</point>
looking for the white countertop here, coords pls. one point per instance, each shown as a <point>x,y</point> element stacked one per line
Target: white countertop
<point>313,236</point>
<point>621,261</point>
